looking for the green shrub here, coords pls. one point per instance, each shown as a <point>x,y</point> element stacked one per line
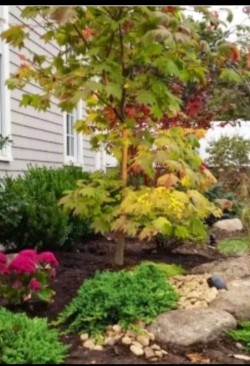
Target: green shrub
<point>12,208</point>
<point>234,246</point>
<point>242,334</point>
<point>29,210</point>
<point>124,297</point>
<point>217,192</point>
<point>169,270</point>
<point>28,341</point>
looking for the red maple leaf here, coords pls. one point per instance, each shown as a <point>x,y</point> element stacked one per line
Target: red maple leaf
<point>236,56</point>
<point>88,33</point>
<point>248,60</point>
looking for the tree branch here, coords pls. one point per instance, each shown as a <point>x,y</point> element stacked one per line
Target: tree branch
<point>123,96</point>
<point>108,105</point>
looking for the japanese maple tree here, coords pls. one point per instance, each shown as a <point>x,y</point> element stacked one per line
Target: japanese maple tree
<point>143,73</point>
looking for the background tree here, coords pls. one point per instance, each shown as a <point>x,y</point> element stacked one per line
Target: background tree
<point>225,94</point>
<point>229,153</point>
<point>229,157</point>
<point>229,90</point>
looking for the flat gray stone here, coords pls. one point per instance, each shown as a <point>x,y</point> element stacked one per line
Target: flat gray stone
<point>229,225</point>
<point>229,269</point>
<point>184,328</point>
<point>235,301</point>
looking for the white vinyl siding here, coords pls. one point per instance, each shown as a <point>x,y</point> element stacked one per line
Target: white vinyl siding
<point>5,123</point>
<point>39,138</point>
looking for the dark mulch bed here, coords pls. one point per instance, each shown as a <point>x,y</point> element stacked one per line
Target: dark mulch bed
<point>81,262</point>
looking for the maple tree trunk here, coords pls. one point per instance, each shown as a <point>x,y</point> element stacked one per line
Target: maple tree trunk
<point>120,237</point>
<point>119,250</point>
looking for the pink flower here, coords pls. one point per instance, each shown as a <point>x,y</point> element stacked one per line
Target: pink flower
<point>34,285</point>
<point>4,270</point>
<point>3,258</point>
<point>48,258</point>
<point>30,253</point>
<point>22,265</point>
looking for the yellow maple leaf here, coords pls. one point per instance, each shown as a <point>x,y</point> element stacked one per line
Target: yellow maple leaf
<point>168,180</point>
<point>92,100</point>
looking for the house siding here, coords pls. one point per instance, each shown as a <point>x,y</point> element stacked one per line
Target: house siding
<point>89,157</point>
<point>38,137</point>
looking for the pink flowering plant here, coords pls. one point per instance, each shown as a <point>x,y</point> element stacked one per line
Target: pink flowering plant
<point>27,276</point>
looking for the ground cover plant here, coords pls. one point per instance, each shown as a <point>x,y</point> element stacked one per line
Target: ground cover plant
<point>169,270</point>
<point>119,297</point>
<point>242,334</point>
<point>234,246</point>
<point>28,341</point>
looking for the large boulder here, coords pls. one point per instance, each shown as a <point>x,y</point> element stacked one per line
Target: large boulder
<point>229,269</point>
<point>229,225</point>
<point>236,300</point>
<point>183,328</point>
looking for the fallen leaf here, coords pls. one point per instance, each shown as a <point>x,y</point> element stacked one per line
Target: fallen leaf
<point>242,357</point>
<point>197,358</point>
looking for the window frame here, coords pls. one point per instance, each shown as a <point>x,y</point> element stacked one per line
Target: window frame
<point>77,158</point>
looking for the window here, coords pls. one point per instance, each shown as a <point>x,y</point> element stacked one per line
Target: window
<point>70,134</point>
<point>5,153</point>
<point>73,140</point>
